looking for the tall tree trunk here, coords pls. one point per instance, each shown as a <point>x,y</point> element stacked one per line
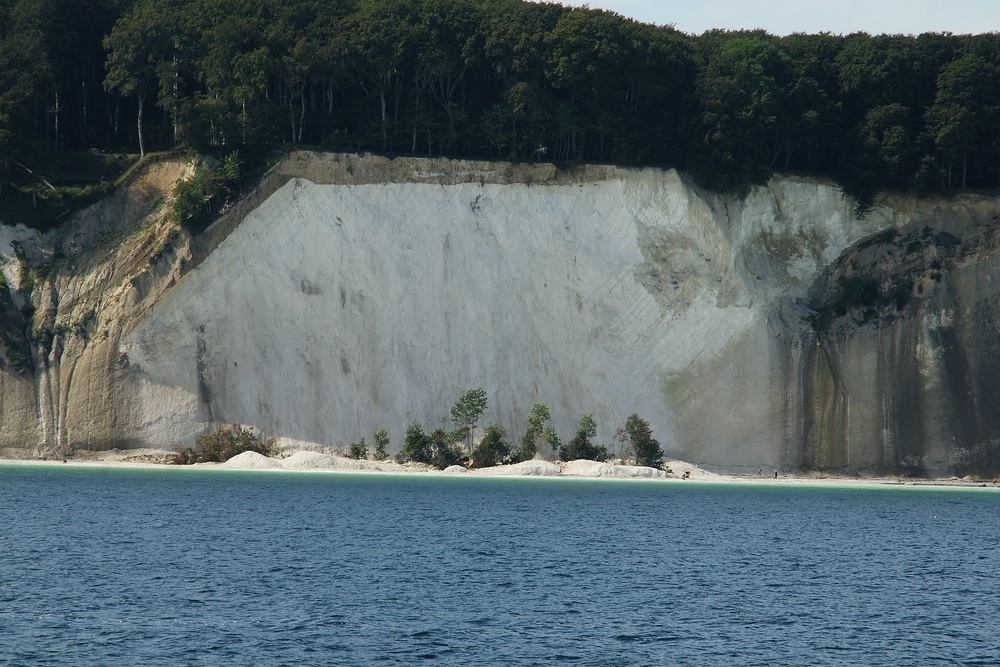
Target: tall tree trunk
<point>55,113</point>
<point>302,104</point>
<point>174,110</point>
<point>416,118</point>
<point>385,120</point>
<point>398,98</point>
<point>142,141</point>
<point>83,111</point>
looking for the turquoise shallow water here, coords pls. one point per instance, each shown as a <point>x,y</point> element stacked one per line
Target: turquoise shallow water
<point>170,567</point>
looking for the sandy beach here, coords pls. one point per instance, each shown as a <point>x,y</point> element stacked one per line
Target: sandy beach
<point>312,461</point>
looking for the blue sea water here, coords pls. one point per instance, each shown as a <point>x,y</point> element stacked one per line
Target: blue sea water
<point>193,567</point>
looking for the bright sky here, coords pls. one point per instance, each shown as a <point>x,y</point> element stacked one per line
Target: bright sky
<point>782,17</point>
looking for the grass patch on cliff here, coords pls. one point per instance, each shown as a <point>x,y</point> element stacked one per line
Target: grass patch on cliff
<point>43,193</point>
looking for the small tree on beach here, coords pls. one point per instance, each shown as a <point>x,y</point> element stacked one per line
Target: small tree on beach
<point>534,430</point>
<point>381,443</point>
<point>466,413</point>
<point>551,438</point>
<point>492,449</point>
<point>581,447</point>
<point>445,451</point>
<point>437,449</point>
<point>640,438</point>
<point>416,446</point>
<point>358,450</point>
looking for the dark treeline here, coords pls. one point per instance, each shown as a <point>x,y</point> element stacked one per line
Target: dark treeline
<point>504,79</point>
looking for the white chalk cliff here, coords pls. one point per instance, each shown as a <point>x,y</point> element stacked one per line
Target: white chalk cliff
<point>350,293</point>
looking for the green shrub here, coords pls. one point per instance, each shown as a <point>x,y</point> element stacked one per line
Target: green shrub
<point>492,449</point>
<point>223,444</point>
<point>416,446</point>
<point>381,442</point>
<point>445,449</point>
<point>438,449</point>
<point>580,447</point>
<point>534,429</point>
<point>200,199</point>
<point>640,438</point>
<point>358,450</point>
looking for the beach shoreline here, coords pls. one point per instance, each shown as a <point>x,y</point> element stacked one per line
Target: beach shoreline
<point>674,472</point>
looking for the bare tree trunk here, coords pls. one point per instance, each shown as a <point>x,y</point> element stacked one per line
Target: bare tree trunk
<point>142,141</point>
<point>396,102</point>
<point>385,120</point>
<point>176,80</point>
<point>83,111</point>
<point>302,104</point>
<point>55,112</point>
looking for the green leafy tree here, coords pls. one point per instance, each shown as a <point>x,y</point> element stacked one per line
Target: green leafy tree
<point>551,438</point>
<point>810,123</point>
<point>416,446</point>
<point>888,144</point>
<point>586,59</point>
<point>452,45</point>
<point>381,443</point>
<point>640,438</point>
<point>740,89</point>
<point>444,450</point>
<point>515,48</point>
<point>658,76</point>
<point>965,109</point>
<point>581,446</point>
<point>492,449</point>
<point>534,430</point>
<point>358,450</point>
<point>385,36</point>
<point>466,412</point>
<point>24,71</point>
<point>137,48</point>
<point>199,199</point>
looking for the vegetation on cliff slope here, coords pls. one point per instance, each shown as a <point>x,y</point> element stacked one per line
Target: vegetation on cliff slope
<point>875,281</point>
<point>505,79</point>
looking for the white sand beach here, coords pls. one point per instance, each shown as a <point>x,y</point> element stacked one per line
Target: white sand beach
<point>673,471</point>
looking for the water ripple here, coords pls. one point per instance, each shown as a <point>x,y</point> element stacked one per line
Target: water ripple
<point>149,567</point>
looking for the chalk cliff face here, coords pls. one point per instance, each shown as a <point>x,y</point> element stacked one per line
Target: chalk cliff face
<point>350,293</point>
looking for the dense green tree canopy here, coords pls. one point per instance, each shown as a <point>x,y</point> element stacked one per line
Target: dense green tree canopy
<point>503,79</point>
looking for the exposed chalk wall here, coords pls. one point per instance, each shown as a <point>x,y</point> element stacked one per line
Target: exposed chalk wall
<point>335,309</point>
<point>350,293</point>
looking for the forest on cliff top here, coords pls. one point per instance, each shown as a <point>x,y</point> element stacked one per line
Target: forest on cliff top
<point>493,79</point>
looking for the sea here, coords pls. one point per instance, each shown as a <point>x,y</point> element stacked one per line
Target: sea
<point>127,566</point>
